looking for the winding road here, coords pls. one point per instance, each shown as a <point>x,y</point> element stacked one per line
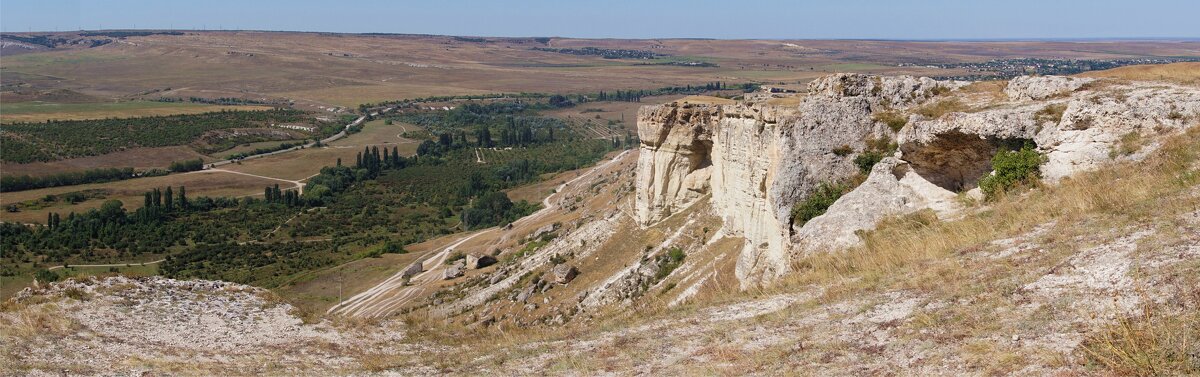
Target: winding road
<point>327,140</point>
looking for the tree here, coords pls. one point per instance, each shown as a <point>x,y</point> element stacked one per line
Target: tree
<point>168,200</point>
<point>183,200</point>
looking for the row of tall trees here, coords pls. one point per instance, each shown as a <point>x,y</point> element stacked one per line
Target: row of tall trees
<point>9,183</point>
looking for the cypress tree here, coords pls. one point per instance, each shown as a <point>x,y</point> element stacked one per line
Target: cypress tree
<point>168,201</point>
<point>183,200</point>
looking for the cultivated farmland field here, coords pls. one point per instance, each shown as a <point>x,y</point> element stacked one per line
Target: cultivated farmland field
<point>42,111</point>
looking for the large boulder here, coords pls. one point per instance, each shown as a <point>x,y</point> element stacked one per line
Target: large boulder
<point>563,273</point>
<point>454,270</point>
<point>1026,88</point>
<point>892,189</point>
<point>412,270</point>
<point>475,262</point>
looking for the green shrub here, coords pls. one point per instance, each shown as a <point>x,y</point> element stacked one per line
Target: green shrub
<point>877,149</point>
<point>669,262</point>
<point>393,247</point>
<point>1011,169</point>
<point>46,276</point>
<point>867,160</point>
<point>817,202</point>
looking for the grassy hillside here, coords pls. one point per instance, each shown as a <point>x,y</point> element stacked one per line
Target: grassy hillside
<point>1095,274</point>
<point>1182,73</point>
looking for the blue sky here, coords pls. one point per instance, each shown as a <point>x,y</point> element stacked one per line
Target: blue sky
<point>873,19</point>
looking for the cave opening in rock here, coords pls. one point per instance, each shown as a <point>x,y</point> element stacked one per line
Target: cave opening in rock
<point>700,156</point>
<point>956,161</point>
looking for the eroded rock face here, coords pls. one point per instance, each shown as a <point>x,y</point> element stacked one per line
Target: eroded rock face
<point>1026,88</point>
<point>893,188</point>
<point>1077,130</point>
<point>754,161</point>
<point>955,151</point>
<point>757,160</point>
<point>676,142</point>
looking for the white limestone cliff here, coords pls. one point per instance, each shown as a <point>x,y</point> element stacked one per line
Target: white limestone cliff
<point>754,160</point>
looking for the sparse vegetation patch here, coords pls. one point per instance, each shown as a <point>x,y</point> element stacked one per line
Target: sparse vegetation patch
<point>1010,170</point>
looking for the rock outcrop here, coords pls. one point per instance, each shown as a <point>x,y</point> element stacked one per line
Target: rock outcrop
<point>1043,87</point>
<point>753,160</point>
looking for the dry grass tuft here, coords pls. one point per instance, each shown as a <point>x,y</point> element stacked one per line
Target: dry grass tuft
<point>1152,343</point>
<point>893,119</point>
<point>938,109</point>
<point>1051,113</point>
<point>1129,143</point>
<point>45,320</point>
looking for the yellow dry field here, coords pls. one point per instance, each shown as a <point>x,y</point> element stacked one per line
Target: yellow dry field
<point>315,69</point>
<point>1181,73</point>
<point>14,112</point>
<point>130,192</point>
<point>137,158</point>
<point>305,163</point>
<point>705,100</point>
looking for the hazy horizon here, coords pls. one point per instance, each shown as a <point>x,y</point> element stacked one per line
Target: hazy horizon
<point>932,20</point>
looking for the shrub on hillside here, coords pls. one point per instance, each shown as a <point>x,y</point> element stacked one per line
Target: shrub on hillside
<point>1011,169</point>
<point>46,276</point>
<point>817,202</point>
<point>867,160</point>
<point>668,262</point>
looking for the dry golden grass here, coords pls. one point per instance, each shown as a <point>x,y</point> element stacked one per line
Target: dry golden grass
<point>1151,343</point>
<point>705,100</point>
<point>130,192</point>
<point>936,109</point>
<point>1051,113</point>
<point>1129,143</point>
<point>786,101</point>
<point>137,158</point>
<point>41,111</point>
<point>45,320</point>
<point>893,119</point>
<point>1187,73</point>
<point>916,252</point>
